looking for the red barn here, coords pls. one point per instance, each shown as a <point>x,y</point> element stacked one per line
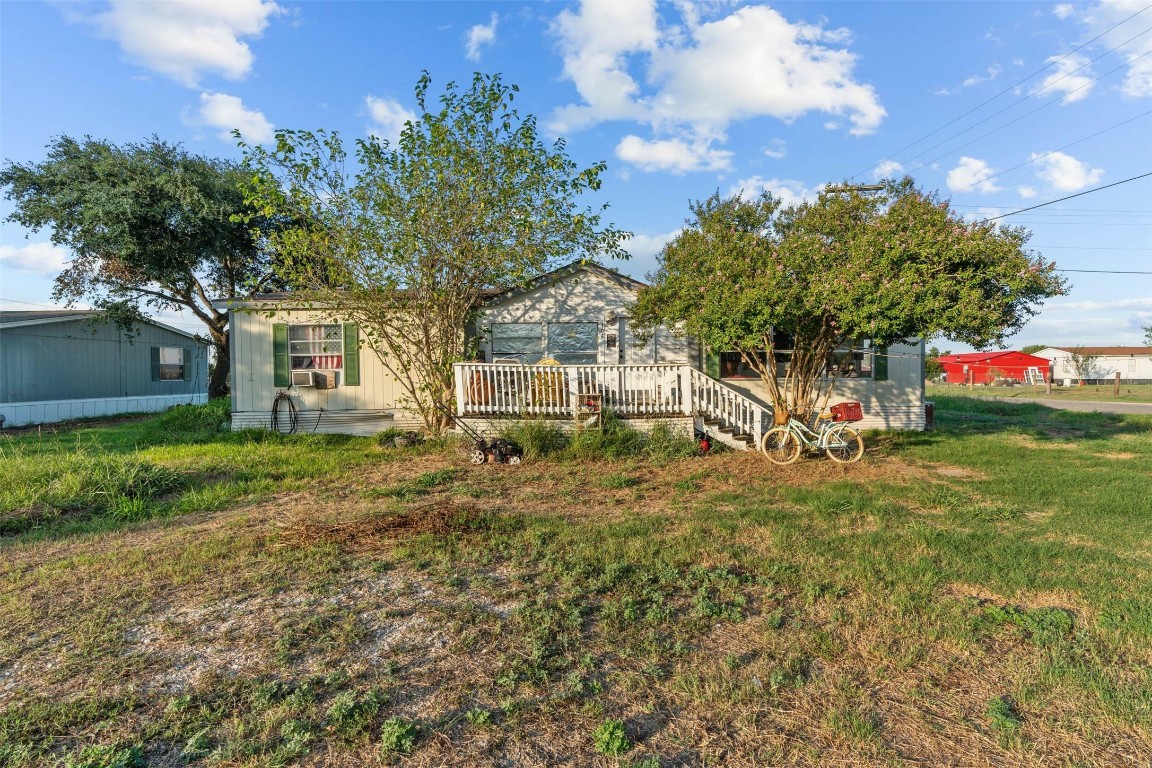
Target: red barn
<point>985,367</point>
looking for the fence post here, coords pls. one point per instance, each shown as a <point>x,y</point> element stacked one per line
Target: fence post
<point>1116,390</point>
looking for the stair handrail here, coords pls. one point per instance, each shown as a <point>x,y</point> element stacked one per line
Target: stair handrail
<point>714,399</point>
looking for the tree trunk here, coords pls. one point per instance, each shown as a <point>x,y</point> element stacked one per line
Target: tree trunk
<point>218,385</point>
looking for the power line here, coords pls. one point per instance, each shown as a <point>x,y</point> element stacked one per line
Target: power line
<point>1009,89</point>
<point>1054,151</point>
<point>1104,271</point>
<point>1045,105</point>
<point>1069,197</point>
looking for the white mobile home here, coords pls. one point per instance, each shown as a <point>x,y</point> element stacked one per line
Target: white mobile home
<point>1134,364</point>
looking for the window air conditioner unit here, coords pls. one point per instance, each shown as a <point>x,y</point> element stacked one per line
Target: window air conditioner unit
<point>301,378</point>
<point>324,379</point>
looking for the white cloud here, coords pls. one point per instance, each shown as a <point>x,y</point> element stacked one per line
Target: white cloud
<point>1134,46</point>
<point>1026,192</point>
<point>1063,10</point>
<point>646,247</point>
<point>973,173</point>
<point>692,80</point>
<point>1072,77</point>
<point>888,169</point>
<point>990,74</point>
<point>228,113</point>
<point>776,149</point>
<point>479,36</point>
<point>41,258</point>
<point>186,39</point>
<point>789,191</point>
<point>388,117</point>
<point>675,155</point>
<point>1064,172</point>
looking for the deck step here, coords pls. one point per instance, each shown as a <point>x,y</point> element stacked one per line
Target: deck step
<point>743,438</point>
<point>728,430</point>
<point>713,422</point>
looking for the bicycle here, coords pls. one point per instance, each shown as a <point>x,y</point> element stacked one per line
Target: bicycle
<point>831,433</point>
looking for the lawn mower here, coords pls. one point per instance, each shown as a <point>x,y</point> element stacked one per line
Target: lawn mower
<point>498,451</point>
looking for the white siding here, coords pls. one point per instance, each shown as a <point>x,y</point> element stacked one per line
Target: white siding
<point>1135,367</point>
<point>897,403</point>
<point>586,297</point>
<point>378,401</point>
<point>53,411</point>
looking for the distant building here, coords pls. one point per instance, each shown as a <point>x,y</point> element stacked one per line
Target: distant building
<point>57,365</point>
<point>987,367</point>
<point>1134,364</point>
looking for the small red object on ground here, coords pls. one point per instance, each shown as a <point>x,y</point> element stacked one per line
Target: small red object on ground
<point>847,412</point>
<point>705,445</point>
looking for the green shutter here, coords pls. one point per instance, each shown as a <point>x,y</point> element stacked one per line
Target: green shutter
<point>155,363</point>
<point>351,355</point>
<point>280,375</point>
<point>189,357</point>
<point>880,364</point>
<point>712,364</point>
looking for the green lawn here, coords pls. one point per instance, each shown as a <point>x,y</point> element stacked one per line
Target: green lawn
<point>1129,393</point>
<point>975,595</point>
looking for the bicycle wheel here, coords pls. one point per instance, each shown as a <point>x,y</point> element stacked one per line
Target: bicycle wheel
<point>780,446</point>
<point>846,446</point>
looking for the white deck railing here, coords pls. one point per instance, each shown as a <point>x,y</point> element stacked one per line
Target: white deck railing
<point>516,390</point>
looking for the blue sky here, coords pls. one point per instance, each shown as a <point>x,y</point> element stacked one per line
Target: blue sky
<point>996,105</point>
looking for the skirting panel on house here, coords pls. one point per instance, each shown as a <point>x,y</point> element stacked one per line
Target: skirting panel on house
<point>362,423</point>
<point>893,417</point>
<point>53,411</point>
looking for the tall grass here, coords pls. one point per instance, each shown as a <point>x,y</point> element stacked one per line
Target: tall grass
<point>615,439</point>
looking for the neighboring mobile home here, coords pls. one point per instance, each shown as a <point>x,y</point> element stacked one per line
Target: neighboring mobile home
<point>1134,364</point>
<point>548,348</point>
<point>57,365</point>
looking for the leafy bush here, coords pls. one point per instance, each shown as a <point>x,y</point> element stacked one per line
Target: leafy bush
<point>614,440</point>
<point>663,443</point>
<point>537,437</point>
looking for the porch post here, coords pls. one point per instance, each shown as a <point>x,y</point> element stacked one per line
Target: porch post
<point>458,379</point>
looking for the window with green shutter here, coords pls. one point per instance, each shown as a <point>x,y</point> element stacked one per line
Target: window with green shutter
<point>351,355</point>
<point>280,375</point>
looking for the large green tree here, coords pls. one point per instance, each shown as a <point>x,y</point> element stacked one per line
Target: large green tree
<point>150,227</point>
<point>408,242</point>
<point>831,273</point>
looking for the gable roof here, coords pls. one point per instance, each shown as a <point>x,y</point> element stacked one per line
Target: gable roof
<point>981,357</point>
<point>21,319</point>
<point>1109,351</point>
<point>563,273</point>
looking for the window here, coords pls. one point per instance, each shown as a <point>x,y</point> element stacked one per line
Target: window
<point>567,343</point>
<point>171,364</point>
<point>851,362</point>
<point>573,343</point>
<point>517,341</point>
<point>316,346</point>
<point>859,361</point>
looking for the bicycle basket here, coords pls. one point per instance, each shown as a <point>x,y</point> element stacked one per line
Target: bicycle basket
<point>847,412</point>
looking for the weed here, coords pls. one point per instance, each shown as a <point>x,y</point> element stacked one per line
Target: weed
<point>610,738</point>
<point>854,724</point>
<point>1044,626</point>
<point>478,717</point>
<point>617,480</point>
<point>1004,719</point>
<point>537,437</point>
<point>398,736</point>
<point>350,715</point>
<point>101,756</point>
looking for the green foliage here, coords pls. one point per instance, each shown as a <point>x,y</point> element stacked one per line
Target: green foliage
<point>846,267</point>
<point>538,438</point>
<point>101,756</point>
<point>932,366</point>
<point>468,200</point>
<point>478,717</point>
<point>147,224</point>
<point>1044,626</point>
<point>1031,349</point>
<point>350,714</point>
<point>1004,719</point>
<point>398,736</point>
<point>610,738</point>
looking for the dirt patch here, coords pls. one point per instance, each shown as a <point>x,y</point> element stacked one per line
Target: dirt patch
<point>951,471</point>
<point>1118,456</point>
<point>371,532</point>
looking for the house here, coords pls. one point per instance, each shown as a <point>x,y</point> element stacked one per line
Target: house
<point>561,346</point>
<point>57,365</point>
<point>1134,364</point>
<point>989,367</point>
